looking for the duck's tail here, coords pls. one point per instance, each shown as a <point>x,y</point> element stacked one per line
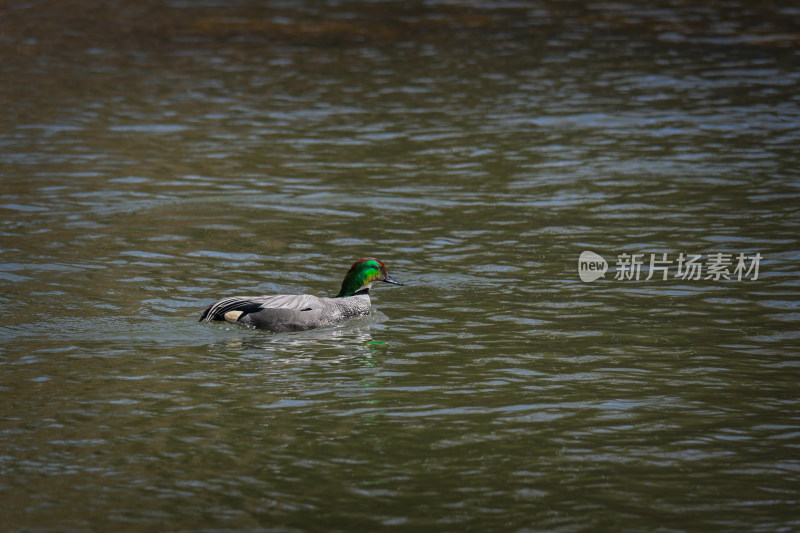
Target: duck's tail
<point>219,309</point>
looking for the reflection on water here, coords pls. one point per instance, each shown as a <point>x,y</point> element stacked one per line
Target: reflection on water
<point>158,157</point>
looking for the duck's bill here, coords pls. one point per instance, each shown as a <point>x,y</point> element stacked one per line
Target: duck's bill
<point>390,279</point>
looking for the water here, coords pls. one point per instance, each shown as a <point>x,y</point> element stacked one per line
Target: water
<point>156,157</point>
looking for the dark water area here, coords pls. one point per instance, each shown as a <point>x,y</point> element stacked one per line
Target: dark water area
<point>157,156</point>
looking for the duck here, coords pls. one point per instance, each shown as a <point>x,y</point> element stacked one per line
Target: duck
<point>280,313</point>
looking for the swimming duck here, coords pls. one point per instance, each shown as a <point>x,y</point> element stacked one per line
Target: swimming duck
<point>297,312</point>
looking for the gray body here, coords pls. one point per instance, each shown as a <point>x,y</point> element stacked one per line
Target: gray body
<point>288,312</point>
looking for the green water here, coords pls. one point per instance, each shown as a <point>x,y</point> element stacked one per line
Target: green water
<point>154,158</point>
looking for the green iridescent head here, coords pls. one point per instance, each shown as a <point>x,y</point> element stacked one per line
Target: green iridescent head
<point>362,275</point>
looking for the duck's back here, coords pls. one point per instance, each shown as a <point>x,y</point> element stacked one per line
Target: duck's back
<point>287,312</point>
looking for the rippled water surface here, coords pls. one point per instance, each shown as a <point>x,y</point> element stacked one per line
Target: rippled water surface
<point>157,156</point>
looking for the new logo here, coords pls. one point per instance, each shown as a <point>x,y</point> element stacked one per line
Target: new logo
<point>591,266</point>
